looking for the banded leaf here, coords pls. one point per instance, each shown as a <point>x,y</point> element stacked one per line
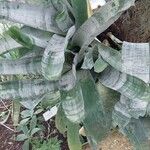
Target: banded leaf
<point>32,102</point>
<point>53,58</point>
<point>38,37</point>
<point>110,55</point>
<point>73,104</point>
<point>99,22</point>
<point>133,59</point>
<point>50,99</point>
<point>132,108</point>
<point>67,81</point>
<point>100,65</point>
<point>88,62</point>
<point>137,130</point>
<point>136,60</point>
<point>7,43</point>
<point>15,33</point>
<point>63,20</point>
<point>40,17</point>
<point>25,89</point>
<point>129,86</point>
<point>23,66</point>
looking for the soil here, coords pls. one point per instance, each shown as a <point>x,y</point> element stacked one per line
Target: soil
<point>7,136</point>
<point>114,141</point>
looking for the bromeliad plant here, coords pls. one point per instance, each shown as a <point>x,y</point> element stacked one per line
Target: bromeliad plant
<point>58,41</point>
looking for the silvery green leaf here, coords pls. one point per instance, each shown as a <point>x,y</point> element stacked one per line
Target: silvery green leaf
<point>31,103</point>
<point>26,65</point>
<point>61,120</point>
<point>7,43</point>
<point>15,33</point>
<point>73,136</point>
<point>88,62</point>
<point>137,130</point>
<point>24,121</point>
<point>27,113</point>
<point>100,65</point>
<point>73,104</point>
<point>40,38</point>
<point>40,17</point>
<point>94,109</point>
<point>80,11</point>
<point>63,19</point>
<point>50,99</point>
<point>108,98</point>
<point>136,60</point>
<point>53,58</point>
<point>67,81</point>
<point>99,22</point>
<point>132,107</point>
<point>120,118</point>
<point>33,122</point>
<point>127,85</point>
<point>110,55</point>
<point>25,89</point>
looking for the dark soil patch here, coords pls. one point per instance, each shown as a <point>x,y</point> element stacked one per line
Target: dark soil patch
<point>7,137</point>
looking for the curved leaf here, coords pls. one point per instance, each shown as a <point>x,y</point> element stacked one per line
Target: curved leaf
<point>63,20</point>
<point>40,17</point>
<point>39,37</point>
<point>7,43</point>
<point>99,22</point>
<point>53,58</point>
<point>35,130</point>
<point>15,33</point>
<point>133,59</point>
<point>80,11</point>
<point>129,86</point>
<point>35,36</point>
<point>28,65</point>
